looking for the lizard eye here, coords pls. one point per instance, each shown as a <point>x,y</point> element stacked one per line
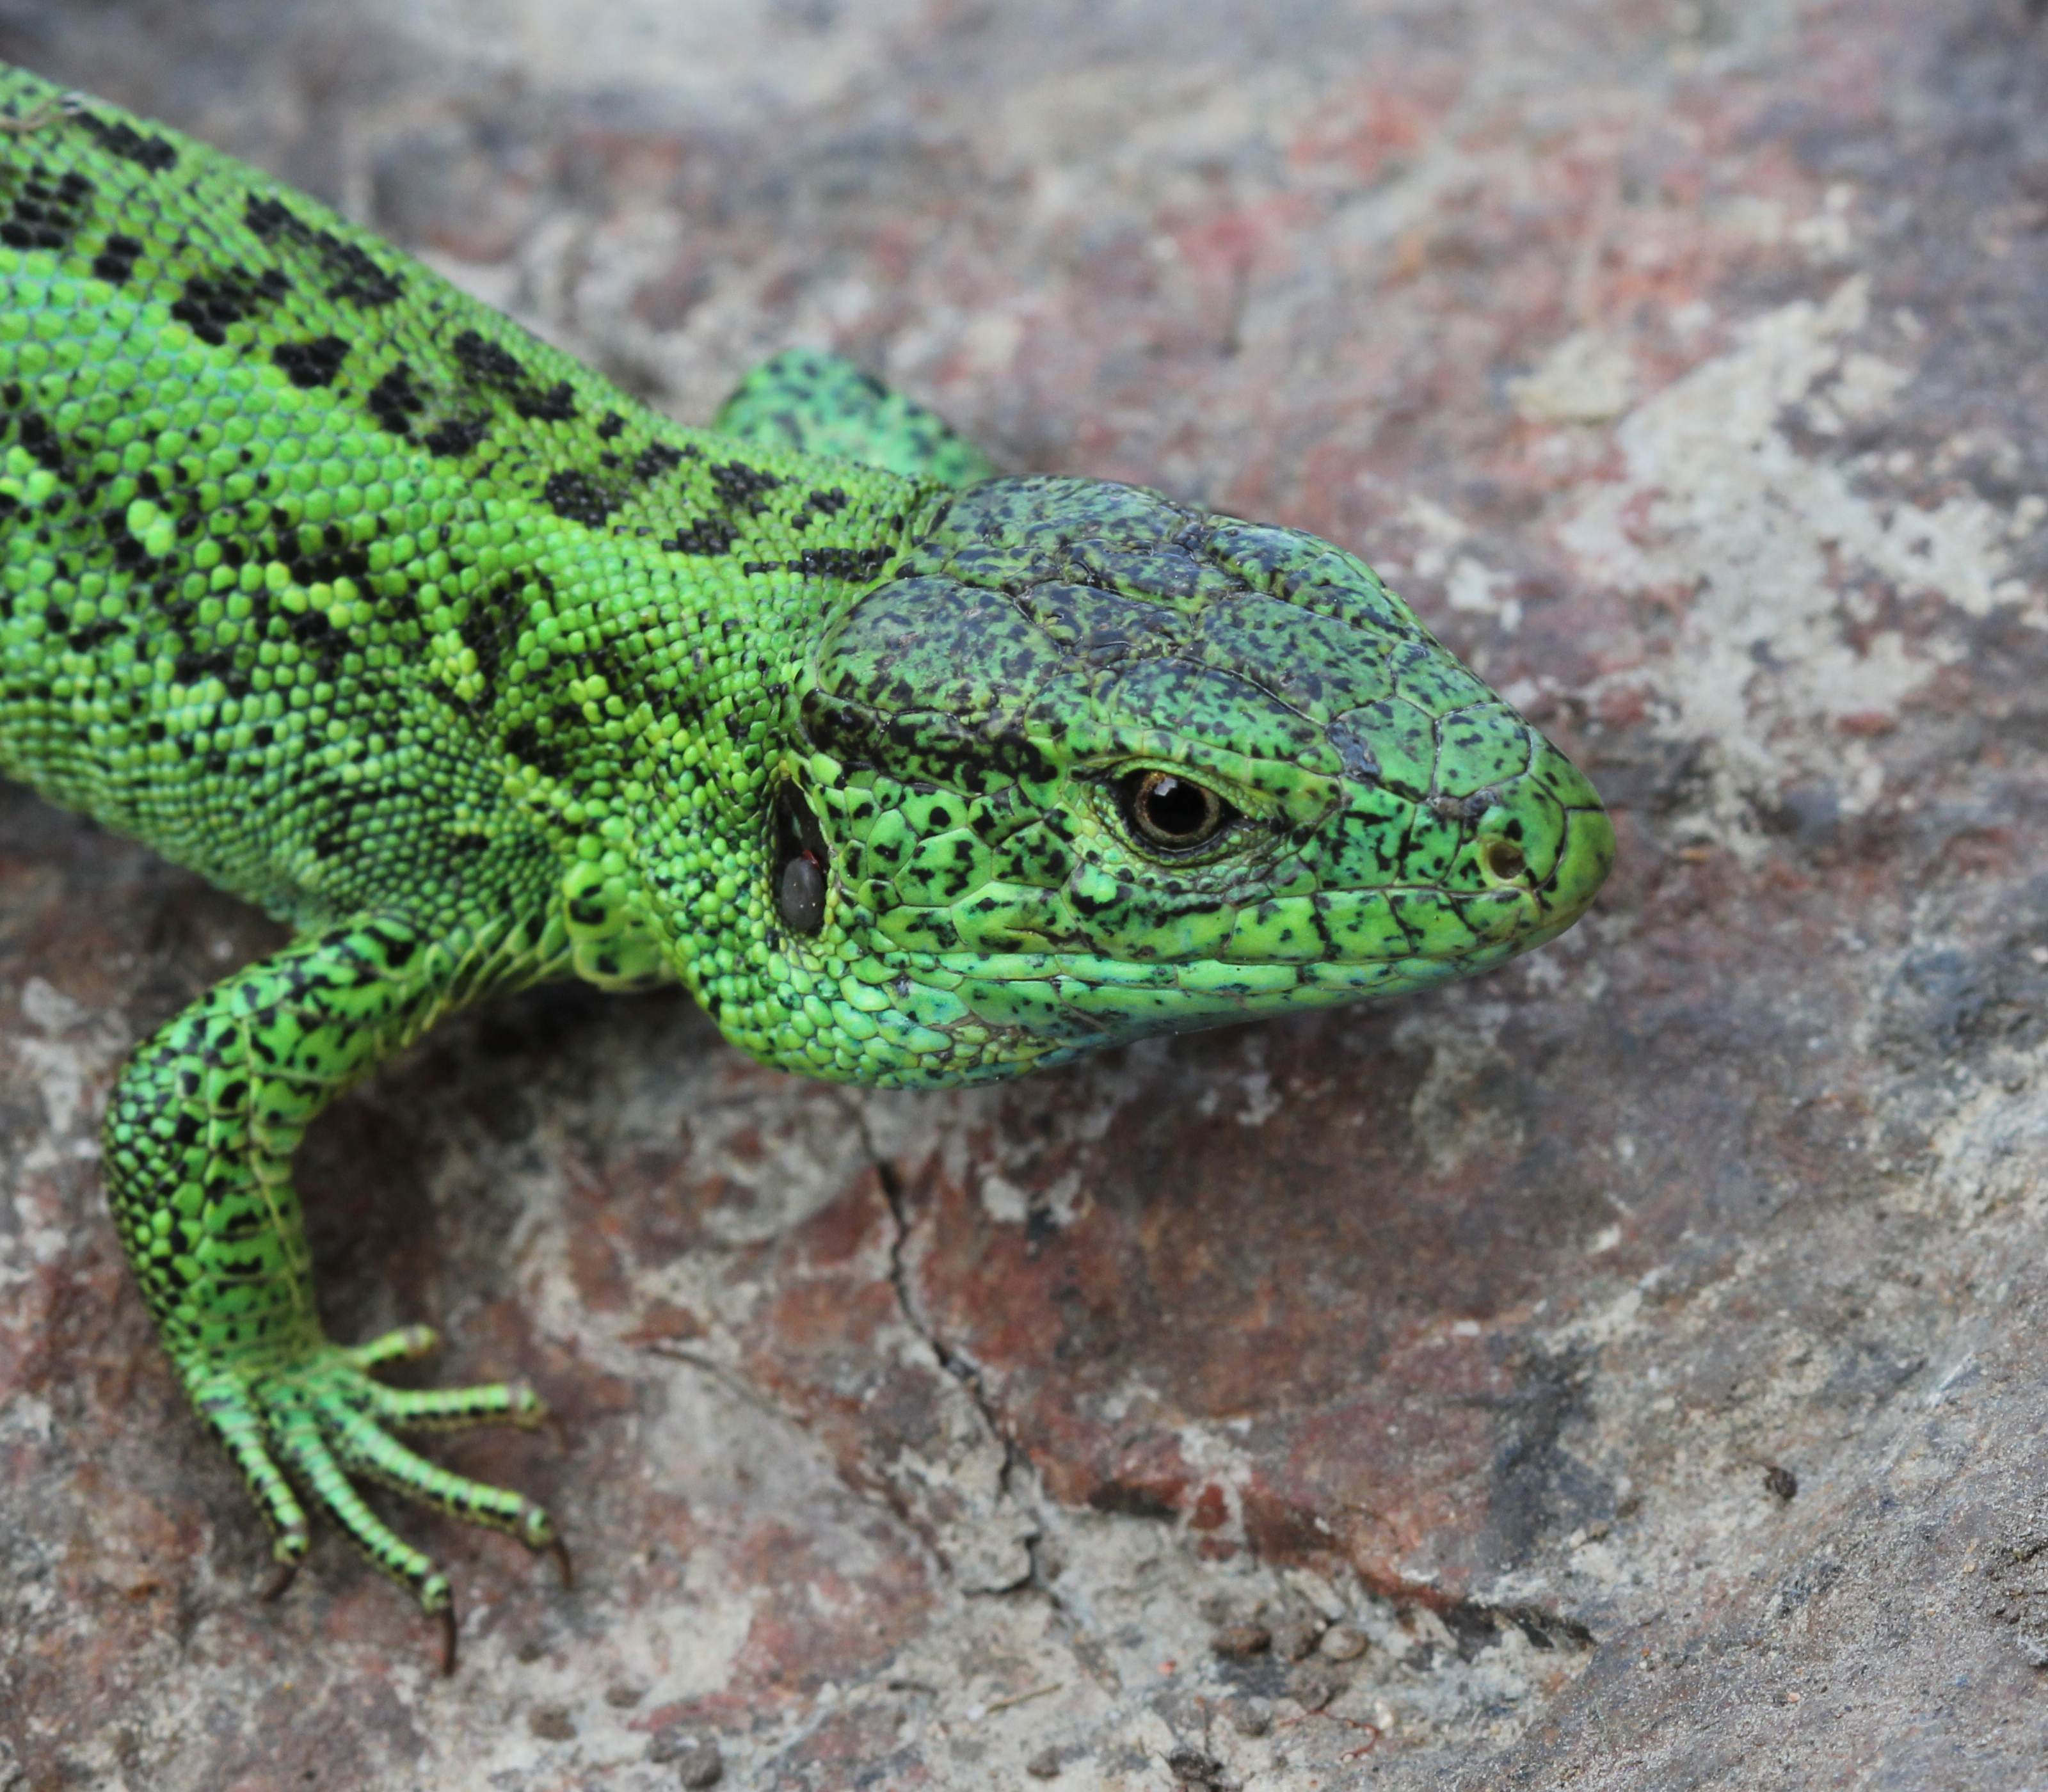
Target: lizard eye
<point>1172,813</point>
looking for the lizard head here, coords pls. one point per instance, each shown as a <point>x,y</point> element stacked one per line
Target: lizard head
<point>1089,765</point>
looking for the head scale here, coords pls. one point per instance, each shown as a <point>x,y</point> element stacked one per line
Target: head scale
<point>1091,765</point>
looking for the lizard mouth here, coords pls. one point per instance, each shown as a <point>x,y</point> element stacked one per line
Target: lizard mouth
<point>1535,854</point>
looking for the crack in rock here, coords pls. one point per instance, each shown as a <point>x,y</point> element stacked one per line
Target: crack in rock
<point>958,1485</point>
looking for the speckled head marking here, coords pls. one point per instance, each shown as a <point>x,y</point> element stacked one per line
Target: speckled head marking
<point>1089,765</point>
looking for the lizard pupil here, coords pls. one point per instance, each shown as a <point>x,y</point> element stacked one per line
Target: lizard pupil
<point>1170,811</point>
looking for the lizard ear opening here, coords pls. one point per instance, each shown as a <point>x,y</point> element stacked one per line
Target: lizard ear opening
<point>800,861</point>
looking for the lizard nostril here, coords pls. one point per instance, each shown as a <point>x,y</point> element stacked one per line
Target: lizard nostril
<point>1503,861</point>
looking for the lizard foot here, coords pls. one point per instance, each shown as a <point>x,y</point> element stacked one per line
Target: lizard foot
<point>312,1425</point>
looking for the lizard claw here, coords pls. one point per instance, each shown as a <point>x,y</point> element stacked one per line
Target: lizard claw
<point>319,1424</point>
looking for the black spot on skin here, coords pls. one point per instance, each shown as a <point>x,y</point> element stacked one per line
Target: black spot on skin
<point>117,259</point>
<point>46,214</point>
<point>826,503</point>
<point>189,667</point>
<point>741,487</point>
<point>557,405</point>
<point>941,747</point>
<point>527,746</point>
<point>656,457</point>
<point>577,498</point>
<point>487,360</point>
<point>855,564</point>
<point>211,303</point>
<point>707,536</point>
<point>40,441</point>
<point>491,364</point>
<point>310,364</point>
<point>394,401</point>
<point>611,426</point>
<point>358,276</point>
<point>120,138</point>
<point>350,270</point>
<point>457,437</point>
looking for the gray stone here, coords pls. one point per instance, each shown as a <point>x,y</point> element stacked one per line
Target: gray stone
<point>1641,1347</point>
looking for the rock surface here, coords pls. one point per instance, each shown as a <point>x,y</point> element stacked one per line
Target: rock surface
<point>1625,1370</point>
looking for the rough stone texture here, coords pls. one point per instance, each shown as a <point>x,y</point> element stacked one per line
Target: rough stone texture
<point>1640,1350</point>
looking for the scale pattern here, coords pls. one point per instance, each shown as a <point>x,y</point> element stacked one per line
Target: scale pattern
<point>333,585</point>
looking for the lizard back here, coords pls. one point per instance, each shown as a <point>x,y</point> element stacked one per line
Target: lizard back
<point>293,531</point>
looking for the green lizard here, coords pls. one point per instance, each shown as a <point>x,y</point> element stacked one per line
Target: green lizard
<point>326,581</point>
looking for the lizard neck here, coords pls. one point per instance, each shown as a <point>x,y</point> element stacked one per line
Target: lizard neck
<point>634,674</point>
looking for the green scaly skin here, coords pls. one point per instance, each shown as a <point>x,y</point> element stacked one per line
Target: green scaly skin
<point>332,584</point>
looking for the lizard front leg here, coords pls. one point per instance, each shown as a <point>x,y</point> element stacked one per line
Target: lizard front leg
<point>199,1139</point>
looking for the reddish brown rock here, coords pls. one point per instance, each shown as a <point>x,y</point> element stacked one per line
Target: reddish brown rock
<point>1635,1353</point>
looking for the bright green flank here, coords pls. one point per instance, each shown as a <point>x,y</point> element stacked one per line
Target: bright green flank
<point>329,583</point>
